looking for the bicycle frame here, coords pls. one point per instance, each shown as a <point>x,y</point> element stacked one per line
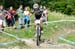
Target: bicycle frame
<point>38,32</point>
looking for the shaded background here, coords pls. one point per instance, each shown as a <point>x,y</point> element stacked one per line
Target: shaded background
<point>63,6</point>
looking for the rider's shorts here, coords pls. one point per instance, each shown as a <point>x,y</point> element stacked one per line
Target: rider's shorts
<point>37,21</point>
<point>44,19</point>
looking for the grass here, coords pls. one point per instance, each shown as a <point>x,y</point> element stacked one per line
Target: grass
<point>71,37</point>
<point>5,38</point>
<point>49,30</point>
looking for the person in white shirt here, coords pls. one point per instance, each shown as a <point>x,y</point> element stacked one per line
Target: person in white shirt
<point>26,15</point>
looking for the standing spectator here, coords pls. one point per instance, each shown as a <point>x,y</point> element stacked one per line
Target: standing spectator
<point>9,19</point>
<point>44,14</point>
<point>20,15</point>
<point>26,17</point>
<point>12,12</point>
<point>3,14</point>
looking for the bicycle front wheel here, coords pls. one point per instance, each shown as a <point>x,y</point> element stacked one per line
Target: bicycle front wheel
<point>38,35</point>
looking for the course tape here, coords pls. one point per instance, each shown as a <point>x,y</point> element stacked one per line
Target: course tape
<point>10,35</point>
<point>67,41</point>
<point>10,42</point>
<point>62,38</point>
<point>60,21</point>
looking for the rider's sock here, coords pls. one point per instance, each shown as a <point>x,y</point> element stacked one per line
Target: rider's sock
<point>41,30</point>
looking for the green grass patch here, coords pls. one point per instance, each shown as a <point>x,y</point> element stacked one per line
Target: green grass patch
<point>49,30</point>
<point>71,37</point>
<point>5,38</point>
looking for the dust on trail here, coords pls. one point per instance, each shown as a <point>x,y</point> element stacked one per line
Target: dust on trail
<point>53,41</point>
<point>45,45</point>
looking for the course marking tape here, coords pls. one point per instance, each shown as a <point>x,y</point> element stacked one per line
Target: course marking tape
<point>68,41</point>
<point>7,43</point>
<point>62,38</point>
<point>11,42</point>
<point>60,21</point>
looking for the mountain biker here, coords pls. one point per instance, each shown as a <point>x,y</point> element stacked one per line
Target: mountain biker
<point>37,14</point>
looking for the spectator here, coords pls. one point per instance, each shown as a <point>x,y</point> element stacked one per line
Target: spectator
<point>44,14</point>
<point>3,14</point>
<point>26,17</point>
<point>20,15</point>
<point>12,12</point>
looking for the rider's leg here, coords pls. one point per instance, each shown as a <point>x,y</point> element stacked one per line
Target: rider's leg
<point>34,24</point>
<point>41,26</point>
<point>46,19</point>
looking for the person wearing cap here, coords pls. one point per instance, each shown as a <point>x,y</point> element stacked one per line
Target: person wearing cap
<point>37,14</point>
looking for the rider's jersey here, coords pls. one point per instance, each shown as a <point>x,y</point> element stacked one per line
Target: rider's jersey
<point>37,13</point>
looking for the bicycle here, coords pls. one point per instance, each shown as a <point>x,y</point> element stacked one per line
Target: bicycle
<point>38,32</point>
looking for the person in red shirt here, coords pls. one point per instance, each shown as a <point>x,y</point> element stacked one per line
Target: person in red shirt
<point>12,13</point>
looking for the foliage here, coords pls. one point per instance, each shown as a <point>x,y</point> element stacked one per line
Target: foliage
<point>63,6</point>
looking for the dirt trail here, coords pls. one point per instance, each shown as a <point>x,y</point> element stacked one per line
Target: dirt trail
<point>45,45</point>
<point>51,44</point>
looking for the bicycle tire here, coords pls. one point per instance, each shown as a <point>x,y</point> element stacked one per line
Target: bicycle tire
<point>38,36</point>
